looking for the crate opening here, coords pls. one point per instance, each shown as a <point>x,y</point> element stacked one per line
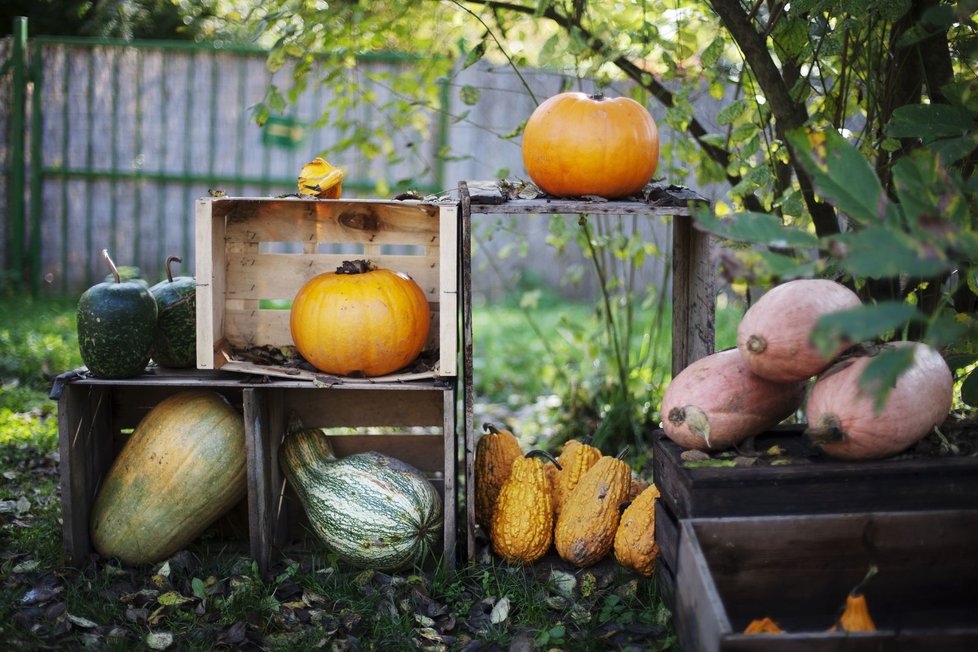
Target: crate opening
<point>799,570</point>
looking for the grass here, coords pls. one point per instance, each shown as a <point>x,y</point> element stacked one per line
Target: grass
<point>212,596</point>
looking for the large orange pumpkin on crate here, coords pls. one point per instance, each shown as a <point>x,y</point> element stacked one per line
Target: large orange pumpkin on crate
<point>577,144</point>
<point>360,319</point>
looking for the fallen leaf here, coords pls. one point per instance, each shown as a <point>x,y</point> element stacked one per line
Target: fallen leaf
<point>563,583</point>
<point>81,622</point>
<point>39,596</point>
<point>500,612</point>
<point>10,475</point>
<point>171,598</point>
<point>159,640</point>
<point>23,505</point>
<point>26,566</point>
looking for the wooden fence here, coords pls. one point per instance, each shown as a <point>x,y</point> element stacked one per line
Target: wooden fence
<point>121,137</point>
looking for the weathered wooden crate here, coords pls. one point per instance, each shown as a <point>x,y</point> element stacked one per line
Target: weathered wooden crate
<point>254,254</point>
<point>95,418</point>
<point>414,422</point>
<point>811,483</point>
<point>798,570</point>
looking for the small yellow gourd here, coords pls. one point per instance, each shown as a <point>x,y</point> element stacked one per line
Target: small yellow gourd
<point>523,518</point>
<point>763,626</point>
<point>855,617</point>
<point>575,459</point>
<point>635,545</point>
<point>589,517</point>
<point>495,453</point>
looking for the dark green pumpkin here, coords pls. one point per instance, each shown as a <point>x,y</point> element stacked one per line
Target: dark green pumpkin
<point>175,343</point>
<point>116,323</point>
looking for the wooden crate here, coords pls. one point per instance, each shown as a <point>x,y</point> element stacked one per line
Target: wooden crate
<point>414,422</point>
<point>254,254</point>
<point>811,484</point>
<point>94,419</point>
<point>798,570</point>
<point>415,425</point>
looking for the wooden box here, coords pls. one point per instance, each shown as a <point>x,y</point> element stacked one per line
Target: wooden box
<point>811,483</point>
<point>414,422</point>
<point>94,419</point>
<point>253,255</point>
<point>798,570</point>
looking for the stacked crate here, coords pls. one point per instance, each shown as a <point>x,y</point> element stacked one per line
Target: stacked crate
<point>253,255</point>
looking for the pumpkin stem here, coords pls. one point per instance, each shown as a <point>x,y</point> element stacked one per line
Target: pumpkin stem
<point>856,590</point>
<point>597,97</point>
<point>115,270</point>
<point>542,453</point>
<point>169,272</point>
<point>621,453</point>
<point>491,428</point>
<point>825,430</point>
<point>756,344</point>
<point>359,266</point>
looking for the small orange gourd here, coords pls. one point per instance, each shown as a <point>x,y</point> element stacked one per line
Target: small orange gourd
<point>635,545</point>
<point>856,616</point>
<point>763,626</point>
<point>589,517</point>
<point>495,453</point>
<point>575,459</point>
<point>523,518</point>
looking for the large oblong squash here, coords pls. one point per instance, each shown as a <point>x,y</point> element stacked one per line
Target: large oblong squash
<point>181,469</point>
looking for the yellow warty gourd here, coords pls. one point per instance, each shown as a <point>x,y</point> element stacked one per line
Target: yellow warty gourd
<point>495,453</point>
<point>635,545</point>
<point>589,517</point>
<point>523,518</point>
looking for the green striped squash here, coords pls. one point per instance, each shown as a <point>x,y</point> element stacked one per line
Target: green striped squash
<point>372,510</point>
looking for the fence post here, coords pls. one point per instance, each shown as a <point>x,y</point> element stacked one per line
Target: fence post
<point>16,189</point>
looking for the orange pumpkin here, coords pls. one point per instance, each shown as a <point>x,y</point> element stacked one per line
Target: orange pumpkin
<point>575,144</point>
<point>360,319</point>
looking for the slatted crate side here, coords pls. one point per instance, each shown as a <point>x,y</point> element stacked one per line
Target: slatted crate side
<point>95,420</point>
<point>414,425</point>
<point>246,238</point>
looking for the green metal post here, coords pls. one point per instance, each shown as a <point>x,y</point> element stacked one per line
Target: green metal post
<point>37,130</point>
<point>16,192</point>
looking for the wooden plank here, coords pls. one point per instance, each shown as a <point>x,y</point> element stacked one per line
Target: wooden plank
<point>210,277</point>
<point>700,616</point>
<point>86,449</point>
<point>450,476</point>
<point>448,292</point>
<point>575,207</point>
<point>666,533</point>
<point>468,392</point>
<point>281,275</point>
<point>324,408</point>
<point>424,452</point>
<point>693,295</point>
<point>261,492</point>
<point>374,222</point>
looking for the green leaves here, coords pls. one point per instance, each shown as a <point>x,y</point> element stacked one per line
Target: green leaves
<point>841,174</point>
<point>861,324</point>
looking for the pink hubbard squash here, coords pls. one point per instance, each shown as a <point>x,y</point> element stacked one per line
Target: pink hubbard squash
<point>842,418</point>
<point>716,402</point>
<point>775,334</point>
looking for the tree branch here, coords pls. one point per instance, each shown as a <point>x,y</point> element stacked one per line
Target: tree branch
<point>788,114</point>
